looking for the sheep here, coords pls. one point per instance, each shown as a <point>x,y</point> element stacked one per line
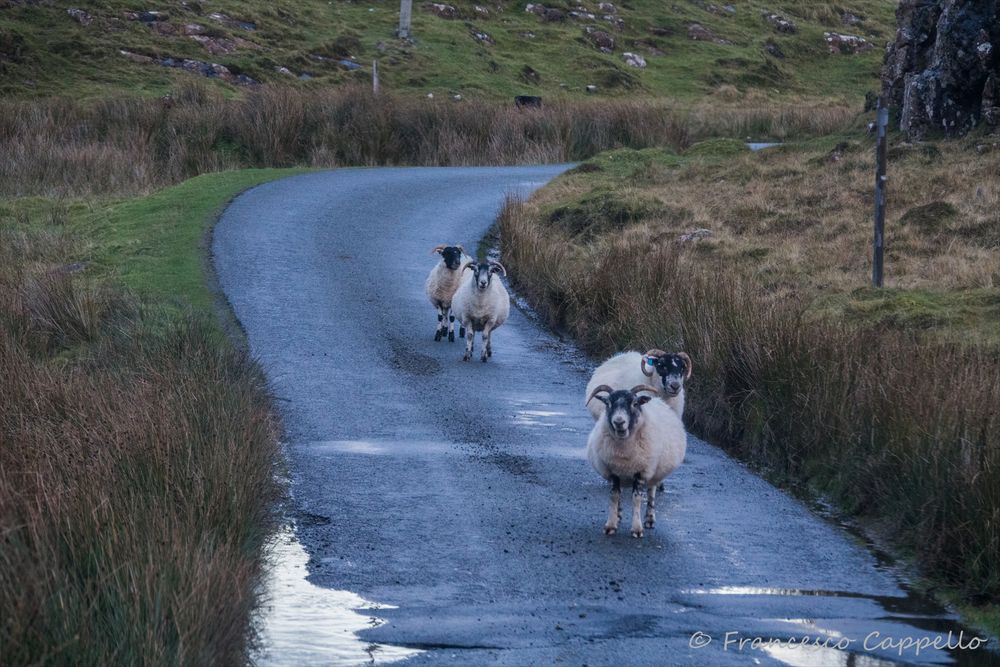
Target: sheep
<point>481,304</point>
<point>442,282</point>
<point>630,368</point>
<point>638,439</point>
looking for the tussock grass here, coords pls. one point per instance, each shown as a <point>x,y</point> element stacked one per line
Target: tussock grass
<point>894,418</point>
<point>137,471</point>
<point>129,145</point>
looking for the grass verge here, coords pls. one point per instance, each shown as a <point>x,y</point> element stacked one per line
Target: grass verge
<point>755,264</point>
<point>138,448</point>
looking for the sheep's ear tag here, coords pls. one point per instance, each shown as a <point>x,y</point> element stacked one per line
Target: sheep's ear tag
<point>650,360</point>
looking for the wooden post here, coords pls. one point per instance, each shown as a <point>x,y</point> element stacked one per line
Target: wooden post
<point>878,247</point>
<point>405,9</point>
<point>375,77</point>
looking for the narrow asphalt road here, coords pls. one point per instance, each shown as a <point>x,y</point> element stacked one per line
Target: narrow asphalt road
<point>460,492</point>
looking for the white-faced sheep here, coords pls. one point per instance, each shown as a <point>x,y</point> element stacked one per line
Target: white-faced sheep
<point>481,304</point>
<point>638,439</point>
<point>628,369</point>
<point>442,282</point>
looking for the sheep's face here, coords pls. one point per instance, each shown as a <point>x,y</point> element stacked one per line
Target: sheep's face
<point>482,274</point>
<point>624,412</point>
<point>452,257</point>
<point>673,369</point>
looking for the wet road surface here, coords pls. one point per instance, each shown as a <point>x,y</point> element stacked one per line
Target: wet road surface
<point>459,493</point>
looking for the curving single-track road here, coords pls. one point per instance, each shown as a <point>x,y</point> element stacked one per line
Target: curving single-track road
<point>460,493</point>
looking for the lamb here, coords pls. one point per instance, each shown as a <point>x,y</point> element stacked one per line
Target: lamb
<point>481,304</point>
<point>630,368</point>
<point>638,439</point>
<point>442,282</point>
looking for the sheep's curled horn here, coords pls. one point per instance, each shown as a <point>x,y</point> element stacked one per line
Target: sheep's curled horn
<point>688,364</point>
<point>598,389</point>
<point>499,266</point>
<point>635,390</point>
<point>467,265</point>
<point>651,353</point>
<point>445,245</point>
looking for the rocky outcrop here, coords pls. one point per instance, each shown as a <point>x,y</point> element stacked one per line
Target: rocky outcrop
<point>942,71</point>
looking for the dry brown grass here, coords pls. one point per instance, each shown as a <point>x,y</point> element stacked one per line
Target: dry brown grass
<point>129,146</point>
<point>137,479</point>
<point>897,424</point>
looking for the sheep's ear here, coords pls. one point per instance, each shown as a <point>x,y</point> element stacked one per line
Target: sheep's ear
<point>642,400</point>
<point>439,249</point>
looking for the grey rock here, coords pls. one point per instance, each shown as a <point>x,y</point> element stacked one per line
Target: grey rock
<point>781,24</point>
<point>80,16</point>
<point>634,60</point>
<point>600,39</point>
<point>846,44</point>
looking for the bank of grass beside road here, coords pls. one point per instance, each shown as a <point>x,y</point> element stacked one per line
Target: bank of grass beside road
<point>757,265</point>
<point>138,447</point>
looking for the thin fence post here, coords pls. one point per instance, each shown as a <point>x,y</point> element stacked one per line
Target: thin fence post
<point>405,9</point>
<point>878,247</point>
<point>375,77</point>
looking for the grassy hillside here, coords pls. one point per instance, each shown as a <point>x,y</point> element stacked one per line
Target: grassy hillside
<point>494,49</point>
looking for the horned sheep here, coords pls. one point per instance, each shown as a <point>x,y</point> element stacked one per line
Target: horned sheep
<point>638,439</point>
<point>628,369</point>
<point>481,304</point>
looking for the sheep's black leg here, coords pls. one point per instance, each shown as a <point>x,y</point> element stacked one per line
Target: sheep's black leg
<point>440,329</point>
<point>487,352</point>
<point>638,490</point>
<point>651,507</point>
<point>451,328</point>
<point>614,506</point>
<point>468,344</point>
<point>461,331</point>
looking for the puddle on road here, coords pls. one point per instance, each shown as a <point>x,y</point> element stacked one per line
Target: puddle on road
<point>300,623</point>
<point>907,617</point>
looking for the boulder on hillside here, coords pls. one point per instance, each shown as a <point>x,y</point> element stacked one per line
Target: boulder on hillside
<point>941,72</point>
<point>80,16</point>
<point>600,39</point>
<point>781,24</point>
<point>634,60</point>
<point>700,33</point>
<point>846,44</point>
<point>442,10</point>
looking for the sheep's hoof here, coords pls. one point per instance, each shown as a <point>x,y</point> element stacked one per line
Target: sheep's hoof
<point>437,335</point>
<point>451,336</point>
<point>610,530</point>
<point>467,357</point>
<point>650,523</point>
<point>483,358</point>
<point>637,532</point>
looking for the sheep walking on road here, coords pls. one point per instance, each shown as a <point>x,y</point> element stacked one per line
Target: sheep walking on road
<point>442,283</point>
<point>638,439</point>
<point>628,369</point>
<point>481,304</point>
